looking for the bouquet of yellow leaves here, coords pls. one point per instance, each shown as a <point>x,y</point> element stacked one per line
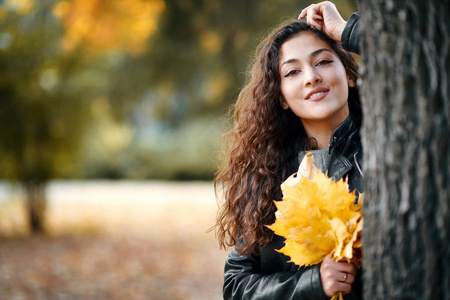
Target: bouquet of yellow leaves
<point>318,217</point>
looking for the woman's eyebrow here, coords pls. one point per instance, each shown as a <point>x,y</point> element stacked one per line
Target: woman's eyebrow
<point>313,54</point>
<point>289,61</point>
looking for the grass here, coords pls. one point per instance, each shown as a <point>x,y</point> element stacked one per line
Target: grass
<point>114,240</point>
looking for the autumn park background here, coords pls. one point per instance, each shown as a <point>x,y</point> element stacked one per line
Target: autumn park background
<point>110,118</point>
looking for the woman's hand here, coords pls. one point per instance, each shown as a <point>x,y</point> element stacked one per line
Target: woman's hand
<point>325,17</point>
<point>336,276</point>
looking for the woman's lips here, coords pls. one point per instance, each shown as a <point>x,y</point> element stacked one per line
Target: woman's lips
<point>317,96</point>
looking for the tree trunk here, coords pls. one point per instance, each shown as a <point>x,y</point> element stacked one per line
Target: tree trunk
<point>405,91</point>
<point>36,206</point>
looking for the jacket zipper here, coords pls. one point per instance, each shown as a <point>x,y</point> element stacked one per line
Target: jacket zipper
<point>357,165</point>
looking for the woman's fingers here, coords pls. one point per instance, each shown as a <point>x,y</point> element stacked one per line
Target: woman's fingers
<point>343,287</point>
<point>337,276</point>
<point>325,17</point>
<point>346,278</point>
<point>313,15</point>
<point>344,266</point>
<point>304,11</point>
<point>313,20</point>
<point>333,283</point>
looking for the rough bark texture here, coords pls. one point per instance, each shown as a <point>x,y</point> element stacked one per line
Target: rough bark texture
<point>406,135</point>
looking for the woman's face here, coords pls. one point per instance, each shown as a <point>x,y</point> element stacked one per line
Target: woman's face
<point>314,83</point>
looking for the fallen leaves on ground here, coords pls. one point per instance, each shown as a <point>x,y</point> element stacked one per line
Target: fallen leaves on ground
<point>131,249</point>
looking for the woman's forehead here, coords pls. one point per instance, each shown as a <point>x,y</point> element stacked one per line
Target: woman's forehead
<point>302,46</point>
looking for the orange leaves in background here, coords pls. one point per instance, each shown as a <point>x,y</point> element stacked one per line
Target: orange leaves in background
<point>318,217</point>
<point>109,24</point>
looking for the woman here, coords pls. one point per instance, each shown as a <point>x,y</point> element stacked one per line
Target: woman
<point>301,96</point>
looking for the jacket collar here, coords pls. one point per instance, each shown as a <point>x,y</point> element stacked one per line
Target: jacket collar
<point>342,132</point>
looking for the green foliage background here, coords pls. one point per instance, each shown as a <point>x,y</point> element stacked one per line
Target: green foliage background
<point>157,115</point>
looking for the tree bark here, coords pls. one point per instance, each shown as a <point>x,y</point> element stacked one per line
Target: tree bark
<point>405,89</point>
<point>36,206</point>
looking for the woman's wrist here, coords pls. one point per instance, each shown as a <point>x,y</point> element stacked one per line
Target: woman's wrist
<point>339,30</point>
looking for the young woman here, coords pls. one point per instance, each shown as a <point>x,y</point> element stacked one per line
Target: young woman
<point>301,97</point>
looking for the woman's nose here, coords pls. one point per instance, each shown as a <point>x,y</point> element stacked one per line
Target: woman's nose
<point>312,77</point>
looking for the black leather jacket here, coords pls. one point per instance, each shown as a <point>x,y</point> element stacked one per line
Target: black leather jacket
<point>268,276</point>
<point>350,35</point>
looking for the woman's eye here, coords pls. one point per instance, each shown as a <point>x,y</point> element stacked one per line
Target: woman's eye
<point>292,73</point>
<point>324,62</point>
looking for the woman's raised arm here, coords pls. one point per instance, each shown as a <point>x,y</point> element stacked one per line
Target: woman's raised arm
<point>326,17</point>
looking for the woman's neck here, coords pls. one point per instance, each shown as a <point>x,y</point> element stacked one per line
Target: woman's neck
<point>321,131</point>
<point>322,137</point>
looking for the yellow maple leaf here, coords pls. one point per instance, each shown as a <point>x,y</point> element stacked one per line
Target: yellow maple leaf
<point>318,217</point>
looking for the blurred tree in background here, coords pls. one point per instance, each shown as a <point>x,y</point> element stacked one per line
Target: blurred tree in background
<point>122,88</point>
<point>54,59</point>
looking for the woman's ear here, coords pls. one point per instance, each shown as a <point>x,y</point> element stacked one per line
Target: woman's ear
<point>351,82</point>
<point>283,103</point>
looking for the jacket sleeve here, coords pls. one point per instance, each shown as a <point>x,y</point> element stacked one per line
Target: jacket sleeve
<point>245,280</point>
<point>350,35</point>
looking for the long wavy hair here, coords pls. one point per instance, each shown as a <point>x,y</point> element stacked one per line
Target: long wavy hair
<point>261,149</point>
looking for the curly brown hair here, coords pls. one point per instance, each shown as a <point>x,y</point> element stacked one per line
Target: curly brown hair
<point>261,149</point>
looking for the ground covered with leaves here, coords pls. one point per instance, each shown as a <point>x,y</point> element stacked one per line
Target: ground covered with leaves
<point>114,241</point>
